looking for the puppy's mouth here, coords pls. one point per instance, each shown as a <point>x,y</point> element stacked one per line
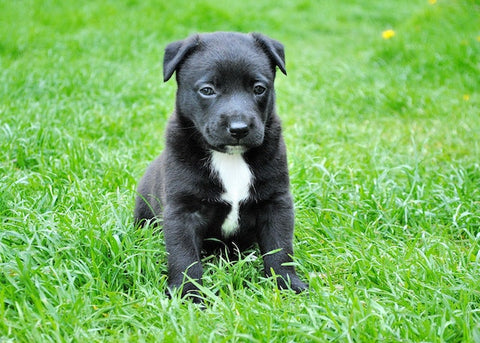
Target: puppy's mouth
<point>230,149</point>
<point>235,149</point>
<point>224,141</point>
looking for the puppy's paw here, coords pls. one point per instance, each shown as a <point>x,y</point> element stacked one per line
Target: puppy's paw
<point>293,282</point>
<point>187,291</point>
<point>298,285</point>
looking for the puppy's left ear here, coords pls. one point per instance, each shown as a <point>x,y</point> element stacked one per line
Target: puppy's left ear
<point>175,53</point>
<point>273,48</point>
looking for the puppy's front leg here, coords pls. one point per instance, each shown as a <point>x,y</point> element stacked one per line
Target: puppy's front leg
<point>275,242</point>
<point>183,239</point>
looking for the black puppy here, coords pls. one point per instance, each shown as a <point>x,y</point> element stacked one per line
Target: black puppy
<point>223,177</point>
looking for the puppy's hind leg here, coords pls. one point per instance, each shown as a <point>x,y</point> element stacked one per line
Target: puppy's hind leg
<point>148,203</point>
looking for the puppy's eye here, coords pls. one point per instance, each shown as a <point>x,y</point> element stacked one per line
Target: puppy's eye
<point>259,90</point>
<point>207,91</point>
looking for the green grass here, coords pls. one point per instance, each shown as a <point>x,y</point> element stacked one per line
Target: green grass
<point>384,158</point>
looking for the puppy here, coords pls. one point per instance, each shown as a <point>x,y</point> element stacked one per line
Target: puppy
<point>222,180</point>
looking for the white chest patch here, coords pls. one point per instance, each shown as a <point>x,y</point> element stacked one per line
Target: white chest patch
<point>236,179</point>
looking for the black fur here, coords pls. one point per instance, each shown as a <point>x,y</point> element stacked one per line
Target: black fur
<point>180,187</point>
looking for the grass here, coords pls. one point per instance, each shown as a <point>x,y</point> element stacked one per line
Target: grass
<point>384,158</point>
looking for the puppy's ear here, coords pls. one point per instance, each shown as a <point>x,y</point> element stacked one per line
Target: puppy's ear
<point>273,48</point>
<point>175,53</point>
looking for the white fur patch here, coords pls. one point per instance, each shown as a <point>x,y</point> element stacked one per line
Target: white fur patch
<point>236,179</point>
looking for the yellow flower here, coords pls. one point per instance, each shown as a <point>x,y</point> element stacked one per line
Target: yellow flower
<point>432,2</point>
<point>387,34</point>
<point>466,97</point>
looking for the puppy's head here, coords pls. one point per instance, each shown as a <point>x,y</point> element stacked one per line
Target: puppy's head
<point>226,86</point>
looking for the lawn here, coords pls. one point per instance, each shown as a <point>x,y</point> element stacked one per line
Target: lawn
<point>381,115</point>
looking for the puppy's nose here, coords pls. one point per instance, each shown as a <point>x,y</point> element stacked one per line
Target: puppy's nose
<point>238,129</point>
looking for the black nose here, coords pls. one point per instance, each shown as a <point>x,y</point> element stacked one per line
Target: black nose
<point>238,129</point>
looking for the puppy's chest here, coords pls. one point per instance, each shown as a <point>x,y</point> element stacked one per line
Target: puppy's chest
<point>236,178</point>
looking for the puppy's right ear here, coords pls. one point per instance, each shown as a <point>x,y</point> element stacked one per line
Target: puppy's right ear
<point>175,53</point>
